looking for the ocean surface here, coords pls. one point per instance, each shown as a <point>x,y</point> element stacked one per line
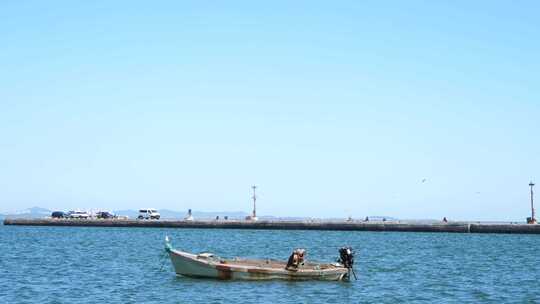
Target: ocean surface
<point>127,265</point>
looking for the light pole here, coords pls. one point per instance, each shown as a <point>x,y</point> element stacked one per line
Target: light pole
<point>254,215</point>
<point>533,218</point>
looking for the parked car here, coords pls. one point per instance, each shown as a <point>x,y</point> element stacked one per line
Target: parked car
<point>58,214</point>
<point>78,215</point>
<point>105,215</point>
<point>148,214</point>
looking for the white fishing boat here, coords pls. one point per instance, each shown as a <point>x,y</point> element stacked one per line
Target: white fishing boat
<point>207,265</point>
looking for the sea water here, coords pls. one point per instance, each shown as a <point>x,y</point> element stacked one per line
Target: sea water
<point>127,265</point>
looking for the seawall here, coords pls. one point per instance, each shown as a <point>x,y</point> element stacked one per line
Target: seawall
<point>454,227</point>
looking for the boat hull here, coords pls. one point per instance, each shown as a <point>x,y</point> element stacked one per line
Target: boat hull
<point>191,265</point>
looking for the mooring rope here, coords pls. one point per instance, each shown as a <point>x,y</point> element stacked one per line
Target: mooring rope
<point>163,259</point>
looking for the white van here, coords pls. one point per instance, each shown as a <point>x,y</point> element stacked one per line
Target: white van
<point>78,214</point>
<point>148,214</point>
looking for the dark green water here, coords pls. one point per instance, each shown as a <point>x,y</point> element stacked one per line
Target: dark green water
<point>123,265</point>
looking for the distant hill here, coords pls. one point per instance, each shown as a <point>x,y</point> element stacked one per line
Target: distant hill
<point>128,213</point>
<point>34,212</point>
<point>38,212</point>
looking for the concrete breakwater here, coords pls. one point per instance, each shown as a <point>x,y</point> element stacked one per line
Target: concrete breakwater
<point>455,227</point>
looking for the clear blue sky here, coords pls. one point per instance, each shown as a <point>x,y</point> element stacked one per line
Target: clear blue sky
<point>331,108</point>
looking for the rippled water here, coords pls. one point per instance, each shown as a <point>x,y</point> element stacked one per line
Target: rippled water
<point>126,265</point>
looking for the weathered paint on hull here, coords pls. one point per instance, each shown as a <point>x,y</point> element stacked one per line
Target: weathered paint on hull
<point>189,265</point>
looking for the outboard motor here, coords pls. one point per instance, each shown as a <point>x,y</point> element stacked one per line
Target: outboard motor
<point>346,258</point>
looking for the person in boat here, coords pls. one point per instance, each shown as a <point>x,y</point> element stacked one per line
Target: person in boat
<point>296,259</point>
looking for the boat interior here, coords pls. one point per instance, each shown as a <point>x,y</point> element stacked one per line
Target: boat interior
<point>266,263</point>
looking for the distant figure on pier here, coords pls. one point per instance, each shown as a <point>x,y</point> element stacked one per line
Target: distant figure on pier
<point>189,216</point>
<point>217,217</point>
<point>445,220</point>
<point>367,219</point>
